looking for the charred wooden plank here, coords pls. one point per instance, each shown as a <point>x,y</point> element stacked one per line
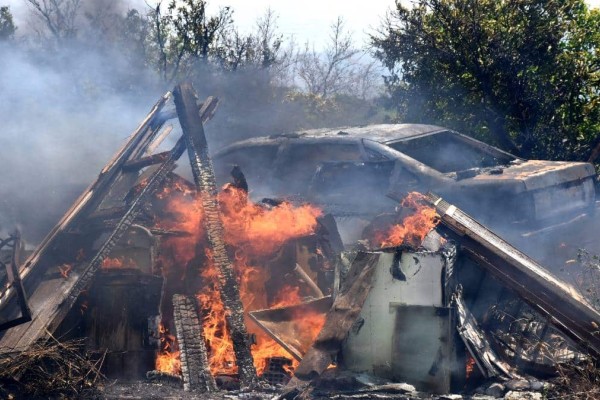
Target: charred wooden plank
<point>344,312</point>
<point>562,304</point>
<point>136,165</point>
<point>192,347</point>
<point>108,213</point>
<point>204,178</point>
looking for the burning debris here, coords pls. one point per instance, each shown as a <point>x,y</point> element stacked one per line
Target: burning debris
<point>207,290</point>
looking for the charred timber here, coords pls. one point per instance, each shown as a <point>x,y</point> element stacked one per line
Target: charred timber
<point>136,165</point>
<point>204,178</point>
<point>194,359</point>
<point>559,302</point>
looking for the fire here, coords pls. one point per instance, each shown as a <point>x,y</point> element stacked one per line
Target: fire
<point>168,363</point>
<point>413,228</point>
<point>65,270</point>
<point>252,232</point>
<point>167,360</point>
<point>259,231</point>
<point>117,263</point>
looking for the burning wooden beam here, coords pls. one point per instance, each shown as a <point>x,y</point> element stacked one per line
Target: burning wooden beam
<point>559,302</point>
<point>204,178</point>
<point>194,360</point>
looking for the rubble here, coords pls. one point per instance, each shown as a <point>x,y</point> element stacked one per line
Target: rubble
<point>434,303</point>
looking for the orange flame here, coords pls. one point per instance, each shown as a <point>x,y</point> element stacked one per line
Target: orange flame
<point>65,270</point>
<point>254,232</point>
<point>117,263</point>
<point>167,360</point>
<point>413,229</point>
<point>260,231</point>
<point>169,363</point>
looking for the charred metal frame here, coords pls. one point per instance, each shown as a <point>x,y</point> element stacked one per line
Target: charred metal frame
<point>14,280</point>
<point>557,301</point>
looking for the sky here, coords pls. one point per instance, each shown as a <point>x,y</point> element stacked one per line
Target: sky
<point>305,20</point>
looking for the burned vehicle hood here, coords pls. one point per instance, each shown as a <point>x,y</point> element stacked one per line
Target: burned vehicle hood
<point>532,190</point>
<point>537,174</point>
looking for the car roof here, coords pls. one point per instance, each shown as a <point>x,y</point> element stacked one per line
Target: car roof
<point>382,133</point>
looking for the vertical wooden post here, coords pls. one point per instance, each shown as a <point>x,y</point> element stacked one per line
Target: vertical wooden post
<point>204,178</point>
<point>194,360</point>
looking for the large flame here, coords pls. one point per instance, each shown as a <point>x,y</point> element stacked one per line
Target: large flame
<point>252,232</point>
<point>413,228</point>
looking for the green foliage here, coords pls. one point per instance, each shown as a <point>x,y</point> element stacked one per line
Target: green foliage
<point>7,26</point>
<point>523,74</point>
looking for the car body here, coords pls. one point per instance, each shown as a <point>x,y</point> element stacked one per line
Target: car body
<point>359,170</point>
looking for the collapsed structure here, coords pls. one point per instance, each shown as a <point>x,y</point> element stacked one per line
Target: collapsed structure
<point>169,276</point>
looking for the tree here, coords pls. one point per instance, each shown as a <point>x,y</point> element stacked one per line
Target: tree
<point>185,37</point>
<point>58,17</point>
<point>7,26</point>
<point>340,69</point>
<point>521,73</point>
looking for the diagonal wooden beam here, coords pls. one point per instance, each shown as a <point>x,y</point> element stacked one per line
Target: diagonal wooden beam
<point>204,178</point>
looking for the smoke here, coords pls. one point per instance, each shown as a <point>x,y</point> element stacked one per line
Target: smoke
<point>62,119</point>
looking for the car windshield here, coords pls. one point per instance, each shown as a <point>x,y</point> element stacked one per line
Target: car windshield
<point>449,152</point>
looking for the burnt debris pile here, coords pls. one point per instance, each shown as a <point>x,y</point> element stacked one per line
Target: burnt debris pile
<point>166,279</point>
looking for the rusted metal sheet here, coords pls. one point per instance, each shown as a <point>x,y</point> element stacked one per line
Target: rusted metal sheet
<point>562,304</point>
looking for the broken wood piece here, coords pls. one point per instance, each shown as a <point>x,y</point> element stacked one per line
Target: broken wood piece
<point>190,337</point>
<point>282,324</point>
<point>340,318</point>
<point>204,178</point>
<point>135,165</point>
<point>301,273</point>
<point>554,299</point>
<point>158,140</point>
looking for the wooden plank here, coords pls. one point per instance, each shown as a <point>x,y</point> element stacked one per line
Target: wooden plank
<point>204,178</point>
<point>562,304</point>
<point>342,315</point>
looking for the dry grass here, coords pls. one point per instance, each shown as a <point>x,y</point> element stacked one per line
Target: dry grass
<point>51,370</point>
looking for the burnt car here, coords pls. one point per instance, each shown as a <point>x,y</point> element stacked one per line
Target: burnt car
<point>363,171</point>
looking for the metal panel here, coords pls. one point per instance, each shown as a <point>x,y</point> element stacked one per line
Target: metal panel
<point>411,284</point>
